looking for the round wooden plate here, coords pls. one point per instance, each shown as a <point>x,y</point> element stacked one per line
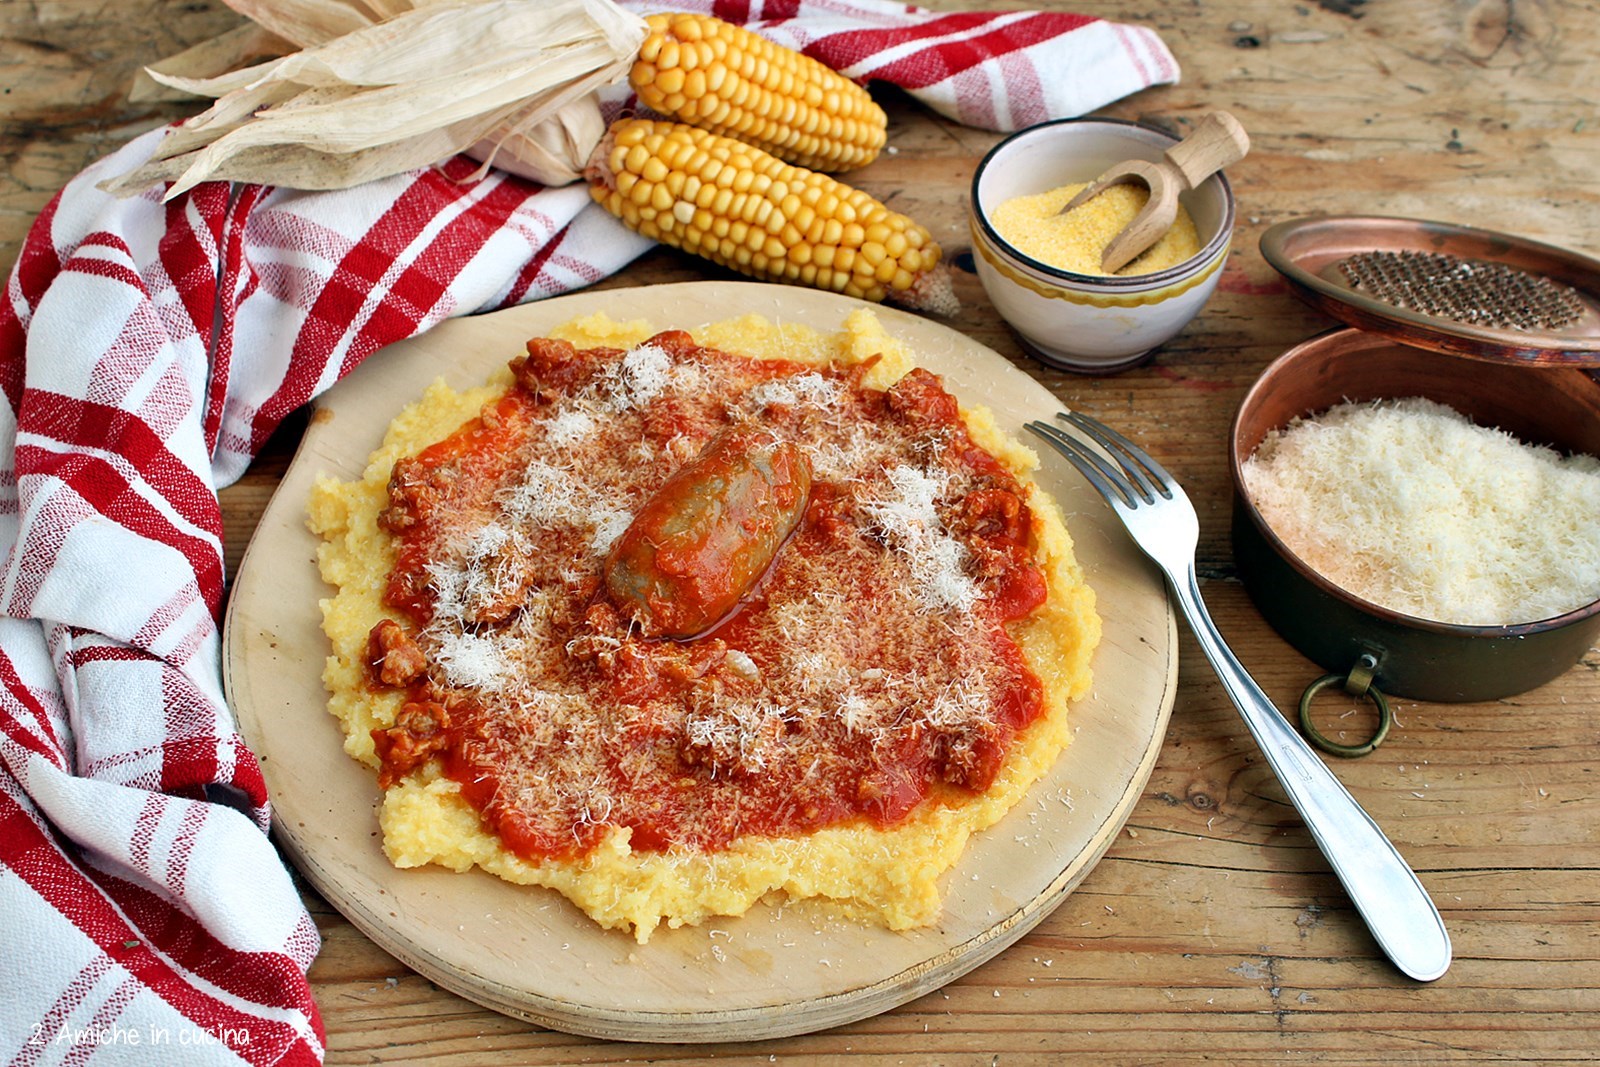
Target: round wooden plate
<point>775,971</point>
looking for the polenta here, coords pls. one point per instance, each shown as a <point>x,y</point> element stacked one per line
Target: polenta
<point>895,675</point>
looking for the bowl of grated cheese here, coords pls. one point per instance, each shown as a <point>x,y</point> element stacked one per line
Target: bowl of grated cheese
<point>1432,515</point>
<point>1040,267</point>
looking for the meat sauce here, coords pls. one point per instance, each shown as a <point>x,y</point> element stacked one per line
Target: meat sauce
<point>840,689</point>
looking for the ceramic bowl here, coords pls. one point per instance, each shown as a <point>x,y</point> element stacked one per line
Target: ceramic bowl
<point>1416,658</point>
<point>1081,322</point>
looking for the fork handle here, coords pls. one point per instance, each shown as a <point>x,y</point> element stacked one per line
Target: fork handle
<point>1386,892</point>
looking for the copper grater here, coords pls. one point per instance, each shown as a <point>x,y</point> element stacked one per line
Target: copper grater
<point>1464,290</point>
<point>1457,289</point>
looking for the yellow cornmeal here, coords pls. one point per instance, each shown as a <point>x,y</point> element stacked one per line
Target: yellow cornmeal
<point>1034,226</point>
<point>886,877</point>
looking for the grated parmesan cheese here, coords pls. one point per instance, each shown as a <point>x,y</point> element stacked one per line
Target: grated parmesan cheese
<point>645,372</point>
<point>811,389</point>
<point>569,427</point>
<point>908,519</point>
<point>1410,505</point>
<point>609,524</point>
<point>472,661</point>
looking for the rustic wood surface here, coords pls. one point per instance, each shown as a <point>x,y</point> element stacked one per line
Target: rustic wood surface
<point>1213,930</point>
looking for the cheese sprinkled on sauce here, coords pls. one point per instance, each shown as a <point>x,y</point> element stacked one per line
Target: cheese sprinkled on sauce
<point>908,518</point>
<point>862,673</point>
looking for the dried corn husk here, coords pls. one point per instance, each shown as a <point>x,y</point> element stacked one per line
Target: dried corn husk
<point>403,93</point>
<point>240,46</point>
<point>314,22</point>
<point>552,150</point>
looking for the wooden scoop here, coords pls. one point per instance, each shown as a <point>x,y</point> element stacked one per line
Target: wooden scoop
<point>1215,142</point>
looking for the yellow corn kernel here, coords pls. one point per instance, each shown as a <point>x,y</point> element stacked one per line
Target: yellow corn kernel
<point>690,31</point>
<point>679,184</point>
<point>768,95</point>
<point>654,170</point>
<point>669,81</point>
<point>713,111</point>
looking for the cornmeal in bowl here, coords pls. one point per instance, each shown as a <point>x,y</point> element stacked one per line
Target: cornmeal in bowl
<point>1075,240</point>
<point>674,622</point>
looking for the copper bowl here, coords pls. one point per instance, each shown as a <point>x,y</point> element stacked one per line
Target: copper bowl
<point>1416,658</point>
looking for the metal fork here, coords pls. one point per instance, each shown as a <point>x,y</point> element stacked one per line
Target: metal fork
<point>1163,523</point>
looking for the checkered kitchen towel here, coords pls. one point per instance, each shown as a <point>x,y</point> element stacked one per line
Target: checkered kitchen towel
<point>147,350</point>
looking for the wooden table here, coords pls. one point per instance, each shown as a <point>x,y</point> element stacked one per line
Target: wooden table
<point>1213,929</point>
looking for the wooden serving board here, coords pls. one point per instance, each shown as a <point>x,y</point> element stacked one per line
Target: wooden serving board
<point>775,971</point>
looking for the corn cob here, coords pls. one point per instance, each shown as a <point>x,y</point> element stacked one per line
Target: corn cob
<point>747,210</point>
<point>725,79</point>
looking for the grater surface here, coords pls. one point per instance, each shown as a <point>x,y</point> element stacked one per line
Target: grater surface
<point>1463,290</point>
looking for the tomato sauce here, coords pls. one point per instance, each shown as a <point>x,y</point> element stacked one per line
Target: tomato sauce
<point>868,670</point>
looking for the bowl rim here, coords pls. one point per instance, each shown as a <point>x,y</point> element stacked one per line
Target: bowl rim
<point>1303,350</point>
<point>1111,282</point>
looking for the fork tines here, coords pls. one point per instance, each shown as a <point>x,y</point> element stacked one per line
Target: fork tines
<point>1126,474</point>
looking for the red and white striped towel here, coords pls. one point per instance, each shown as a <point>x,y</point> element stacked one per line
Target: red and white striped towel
<point>147,351</point>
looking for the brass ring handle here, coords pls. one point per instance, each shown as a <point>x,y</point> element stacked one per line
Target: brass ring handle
<point>1333,748</point>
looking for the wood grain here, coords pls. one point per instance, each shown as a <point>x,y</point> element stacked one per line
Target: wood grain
<point>1216,934</point>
